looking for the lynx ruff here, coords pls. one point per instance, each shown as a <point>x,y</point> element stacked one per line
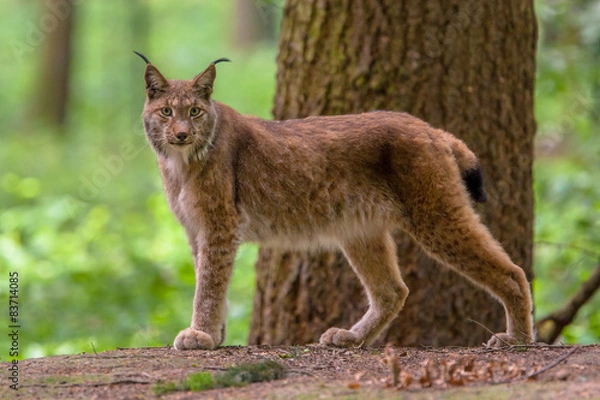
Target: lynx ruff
<point>331,182</point>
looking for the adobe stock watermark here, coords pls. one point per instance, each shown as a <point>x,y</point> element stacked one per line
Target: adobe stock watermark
<point>110,166</point>
<point>265,8</point>
<point>14,328</point>
<point>555,132</point>
<point>55,13</point>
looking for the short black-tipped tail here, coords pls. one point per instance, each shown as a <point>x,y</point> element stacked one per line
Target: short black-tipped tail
<point>473,179</point>
<point>469,168</point>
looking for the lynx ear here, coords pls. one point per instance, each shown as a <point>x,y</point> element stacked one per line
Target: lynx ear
<point>155,82</point>
<point>203,83</point>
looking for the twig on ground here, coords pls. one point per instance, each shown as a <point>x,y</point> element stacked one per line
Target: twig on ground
<point>300,372</point>
<point>538,372</point>
<point>553,364</point>
<point>484,350</point>
<point>392,361</point>
<point>91,384</point>
<point>489,330</point>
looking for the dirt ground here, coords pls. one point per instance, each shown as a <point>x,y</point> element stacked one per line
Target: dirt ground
<point>316,372</point>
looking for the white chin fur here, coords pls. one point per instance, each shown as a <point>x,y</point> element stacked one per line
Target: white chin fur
<point>184,154</point>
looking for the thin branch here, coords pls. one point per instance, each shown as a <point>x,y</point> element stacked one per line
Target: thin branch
<point>489,330</point>
<point>95,384</point>
<point>554,364</point>
<point>550,327</point>
<point>546,368</point>
<point>167,347</point>
<point>93,348</point>
<point>391,359</point>
<point>485,350</point>
<point>300,372</point>
<point>584,250</point>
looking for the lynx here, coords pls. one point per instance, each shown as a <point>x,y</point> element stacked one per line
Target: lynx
<point>329,182</point>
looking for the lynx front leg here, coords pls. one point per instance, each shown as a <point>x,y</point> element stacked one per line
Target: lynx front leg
<point>213,264</point>
<point>374,261</point>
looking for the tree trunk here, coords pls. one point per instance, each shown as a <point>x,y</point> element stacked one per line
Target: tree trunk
<point>465,66</point>
<point>50,102</point>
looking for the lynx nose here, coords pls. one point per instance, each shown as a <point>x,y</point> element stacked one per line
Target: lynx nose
<point>181,136</point>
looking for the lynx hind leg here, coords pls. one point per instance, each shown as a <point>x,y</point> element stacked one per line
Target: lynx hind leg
<point>374,261</point>
<point>454,234</point>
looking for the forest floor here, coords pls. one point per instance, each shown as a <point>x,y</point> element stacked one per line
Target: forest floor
<point>315,372</point>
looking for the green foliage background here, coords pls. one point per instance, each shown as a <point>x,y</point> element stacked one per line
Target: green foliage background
<point>83,218</point>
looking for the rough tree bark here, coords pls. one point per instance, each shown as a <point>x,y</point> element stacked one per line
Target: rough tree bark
<point>465,66</point>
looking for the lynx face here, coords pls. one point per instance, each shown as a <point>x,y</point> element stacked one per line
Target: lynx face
<point>179,118</point>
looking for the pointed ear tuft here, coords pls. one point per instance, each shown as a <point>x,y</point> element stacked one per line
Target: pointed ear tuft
<point>221,60</point>
<point>143,57</point>
<point>155,82</point>
<point>203,83</point>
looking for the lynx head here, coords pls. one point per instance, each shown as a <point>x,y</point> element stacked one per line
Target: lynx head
<point>179,116</point>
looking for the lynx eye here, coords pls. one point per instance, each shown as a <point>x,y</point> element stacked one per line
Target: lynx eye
<point>195,111</point>
<point>166,111</point>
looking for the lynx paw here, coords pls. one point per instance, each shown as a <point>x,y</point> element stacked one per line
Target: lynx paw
<point>340,338</point>
<point>190,339</point>
<point>504,340</point>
